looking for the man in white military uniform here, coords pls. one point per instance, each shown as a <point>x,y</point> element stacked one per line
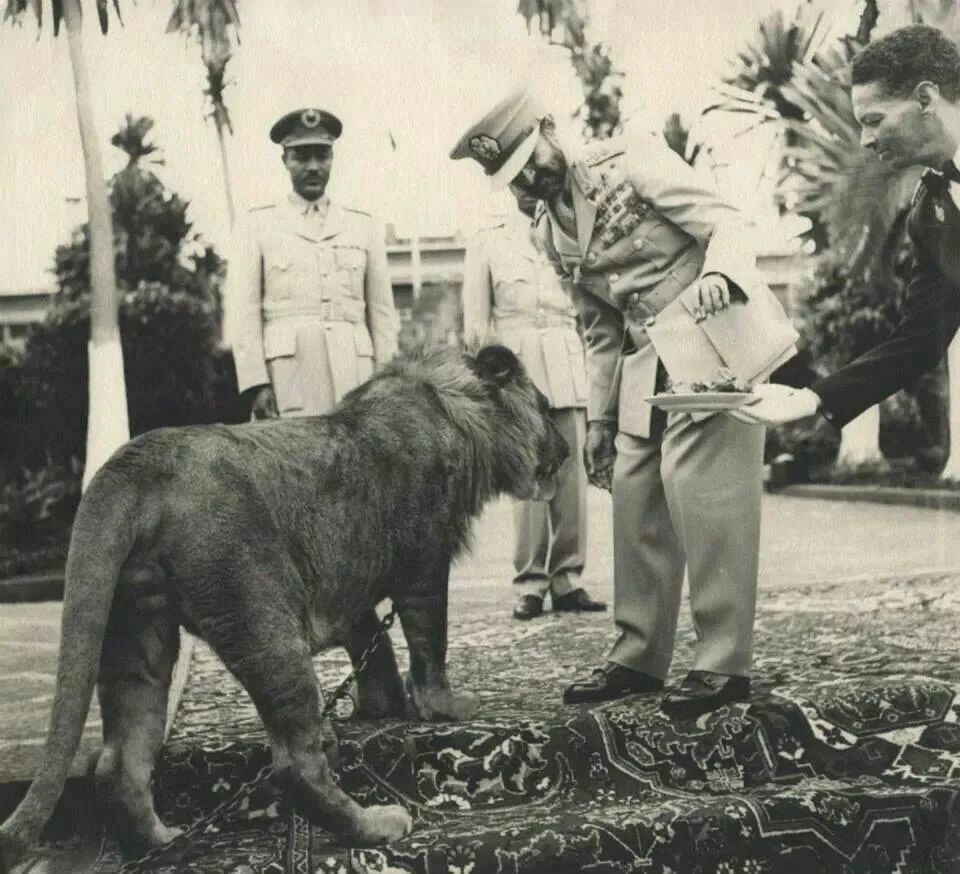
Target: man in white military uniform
<point>307,280</point>
<point>510,290</point>
<point>662,272</point>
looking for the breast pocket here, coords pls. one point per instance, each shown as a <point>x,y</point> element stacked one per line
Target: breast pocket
<point>513,280</point>
<point>351,264</point>
<point>279,278</point>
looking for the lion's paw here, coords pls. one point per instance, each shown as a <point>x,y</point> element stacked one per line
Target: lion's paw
<point>444,705</point>
<point>463,705</point>
<point>164,834</point>
<point>384,823</point>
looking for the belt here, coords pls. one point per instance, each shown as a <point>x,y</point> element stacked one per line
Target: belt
<point>325,311</point>
<point>540,320</point>
<point>644,306</point>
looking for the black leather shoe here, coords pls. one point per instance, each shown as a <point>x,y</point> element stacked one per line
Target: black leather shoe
<point>703,691</point>
<point>611,682</point>
<point>528,607</point>
<point>577,600</point>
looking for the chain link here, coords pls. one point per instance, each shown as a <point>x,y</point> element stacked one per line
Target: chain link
<point>341,693</point>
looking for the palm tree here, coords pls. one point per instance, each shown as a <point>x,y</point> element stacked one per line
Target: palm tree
<point>107,424</point>
<point>564,23</point>
<point>854,203</point>
<point>209,22</point>
<point>754,85</point>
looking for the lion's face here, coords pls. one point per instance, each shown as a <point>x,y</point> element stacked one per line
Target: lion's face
<point>533,448</point>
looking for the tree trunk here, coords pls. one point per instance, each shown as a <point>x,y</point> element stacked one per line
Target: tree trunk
<point>952,469</point>
<point>225,169</point>
<point>107,425</point>
<point>860,440</point>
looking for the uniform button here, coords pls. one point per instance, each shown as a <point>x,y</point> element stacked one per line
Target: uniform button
<point>635,297</point>
<point>591,257</point>
<point>613,277</point>
<point>649,323</point>
<point>638,244</point>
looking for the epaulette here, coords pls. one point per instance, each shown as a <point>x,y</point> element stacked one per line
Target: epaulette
<point>359,211</point>
<point>597,154</point>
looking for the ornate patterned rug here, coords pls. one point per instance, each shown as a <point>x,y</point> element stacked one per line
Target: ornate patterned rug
<point>847,758</point>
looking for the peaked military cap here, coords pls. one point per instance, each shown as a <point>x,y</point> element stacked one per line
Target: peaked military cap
<point>504,139</point>
<point>306,126</point>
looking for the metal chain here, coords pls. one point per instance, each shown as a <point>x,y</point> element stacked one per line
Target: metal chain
<point>341,693</point>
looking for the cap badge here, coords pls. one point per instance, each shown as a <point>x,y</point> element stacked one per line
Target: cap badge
<point>484,147</point>
<point>310,118</point>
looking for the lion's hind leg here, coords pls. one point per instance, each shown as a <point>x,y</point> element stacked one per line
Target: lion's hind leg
<point>270,657</point>
<point>136,666</point>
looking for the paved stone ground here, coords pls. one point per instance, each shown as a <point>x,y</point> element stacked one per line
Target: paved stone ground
<point>804,541</point>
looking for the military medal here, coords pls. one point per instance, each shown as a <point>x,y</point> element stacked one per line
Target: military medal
<point>939,213</point>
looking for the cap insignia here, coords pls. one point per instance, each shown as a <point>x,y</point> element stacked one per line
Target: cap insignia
<point>484,147</point>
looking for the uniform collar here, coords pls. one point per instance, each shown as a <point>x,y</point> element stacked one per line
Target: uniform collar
<point>582,178</point>
<point>309,208</point>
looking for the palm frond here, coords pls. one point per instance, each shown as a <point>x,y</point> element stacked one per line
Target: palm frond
<point>213,25</point>
<point>14,8</point>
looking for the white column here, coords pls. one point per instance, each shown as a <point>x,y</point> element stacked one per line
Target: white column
<point>107,427</point>
<point>952,469</point>
<point>416,270</point>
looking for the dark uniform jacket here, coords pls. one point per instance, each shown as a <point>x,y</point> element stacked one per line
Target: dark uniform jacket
<point>931,312</point>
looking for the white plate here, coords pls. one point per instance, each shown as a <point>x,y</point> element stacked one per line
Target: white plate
<point>701,401</point>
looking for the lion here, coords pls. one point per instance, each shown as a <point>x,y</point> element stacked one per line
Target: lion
<point>272,541</point>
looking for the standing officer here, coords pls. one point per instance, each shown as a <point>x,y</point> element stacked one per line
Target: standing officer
<point>313,305</point>
<point>653,258</point>
<point>512,291</point>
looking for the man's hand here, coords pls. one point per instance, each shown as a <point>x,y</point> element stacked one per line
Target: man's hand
<point>711,294</point>
<point>264,405</point>
<point>599,453</point>
<point>777,405</point>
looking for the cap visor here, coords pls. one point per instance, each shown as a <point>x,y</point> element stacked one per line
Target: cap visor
<point>514,164</point>
<point>320,139</point>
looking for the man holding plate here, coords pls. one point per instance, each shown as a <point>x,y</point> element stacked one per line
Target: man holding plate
<point>662,272</point>
<point>906,97</point>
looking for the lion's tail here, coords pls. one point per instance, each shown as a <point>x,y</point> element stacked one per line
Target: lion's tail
<point>102,537</point>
